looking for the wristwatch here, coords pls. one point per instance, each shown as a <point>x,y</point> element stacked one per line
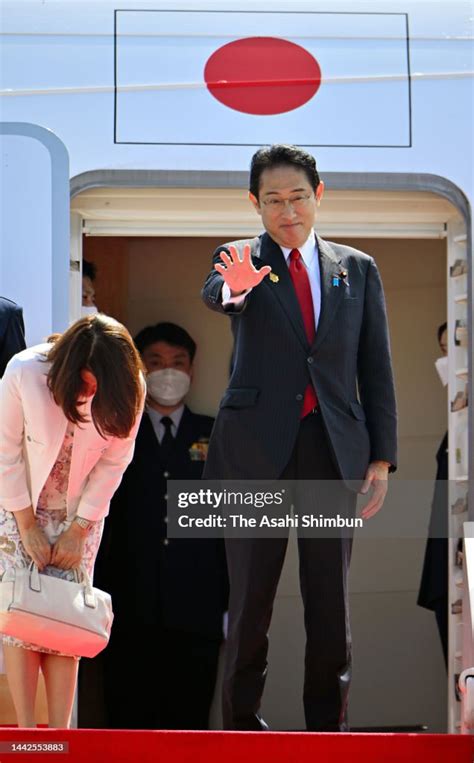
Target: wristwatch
<point>84,523</point>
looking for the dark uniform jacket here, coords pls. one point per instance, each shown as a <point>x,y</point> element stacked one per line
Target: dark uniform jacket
<point>434,579</point>
<point>179,583</point>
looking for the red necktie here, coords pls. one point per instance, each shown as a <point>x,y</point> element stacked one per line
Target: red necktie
<point>300,279</point>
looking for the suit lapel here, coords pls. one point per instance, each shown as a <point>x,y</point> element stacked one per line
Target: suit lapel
<point>284,291</point>
<point>331,296</point>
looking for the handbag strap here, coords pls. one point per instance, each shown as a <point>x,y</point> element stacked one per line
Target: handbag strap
<point>90,599</point>
<point>35,583</point>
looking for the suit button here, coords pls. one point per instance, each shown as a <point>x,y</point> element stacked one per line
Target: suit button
<point>165,496</point>
<point>166,542</point>
<point>28,438</point>
<point>165,519</point>
<point>310,360</point>
<point>166,474</point>
<point>299,397</point>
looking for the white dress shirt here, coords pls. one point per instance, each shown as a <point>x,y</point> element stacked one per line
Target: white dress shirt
<point>156,416</point>
<point>309,255</point>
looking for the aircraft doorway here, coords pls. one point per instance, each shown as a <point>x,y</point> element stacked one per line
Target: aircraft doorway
<point>152,255</point>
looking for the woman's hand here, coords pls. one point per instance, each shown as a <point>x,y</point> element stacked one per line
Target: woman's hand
<point>36,545</point>
<point>32,537</point>
<point>69,548</point>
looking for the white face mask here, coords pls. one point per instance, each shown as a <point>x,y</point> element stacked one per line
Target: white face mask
<point>88,310</point>
<point>442,369</point>
<point>168,386</point>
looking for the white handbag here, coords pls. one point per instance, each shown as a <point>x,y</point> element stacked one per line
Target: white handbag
<point>71,617</point>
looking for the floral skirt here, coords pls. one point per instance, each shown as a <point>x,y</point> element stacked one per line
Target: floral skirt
<point>13,554</point>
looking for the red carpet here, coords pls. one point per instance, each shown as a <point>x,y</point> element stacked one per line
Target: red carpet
<point>91,746</point>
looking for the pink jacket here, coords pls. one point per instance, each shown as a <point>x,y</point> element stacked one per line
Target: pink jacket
<point>32,429</point>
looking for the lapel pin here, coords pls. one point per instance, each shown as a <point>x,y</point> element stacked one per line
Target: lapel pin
<point>274,278</point>
<point>341,276</point>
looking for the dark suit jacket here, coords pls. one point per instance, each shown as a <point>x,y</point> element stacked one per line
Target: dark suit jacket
<point>182,583</point>
<point>434,579</point>
<point>349,365</point>
<point>12,331</point>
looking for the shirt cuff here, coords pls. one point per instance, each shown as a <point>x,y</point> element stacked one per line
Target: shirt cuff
<point>228,300</point>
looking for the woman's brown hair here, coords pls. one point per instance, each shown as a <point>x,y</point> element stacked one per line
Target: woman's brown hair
<point>103,346</point>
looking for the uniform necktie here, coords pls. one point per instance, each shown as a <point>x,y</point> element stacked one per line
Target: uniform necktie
<point>300,279</point>
<point>167,439</point>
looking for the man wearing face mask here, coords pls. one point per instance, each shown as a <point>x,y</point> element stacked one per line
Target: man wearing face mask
<point>433,592</point>
<point>169,595</point>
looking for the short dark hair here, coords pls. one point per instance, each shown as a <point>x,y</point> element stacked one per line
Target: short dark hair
<point>102,345</point>
<point>89,269</point>
<point>170,333</point>
<point>278,155</point>
<point>441,330</point>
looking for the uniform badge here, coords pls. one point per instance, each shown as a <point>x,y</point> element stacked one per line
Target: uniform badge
<point>198,450</point>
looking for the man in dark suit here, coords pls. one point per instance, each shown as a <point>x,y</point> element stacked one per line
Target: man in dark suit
<point>169,595</point>
<point>12,331</point>
<point>311,397</point>
<point>433,593</point>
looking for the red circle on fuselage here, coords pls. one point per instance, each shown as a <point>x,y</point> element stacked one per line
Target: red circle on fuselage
<point>262,75</point>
